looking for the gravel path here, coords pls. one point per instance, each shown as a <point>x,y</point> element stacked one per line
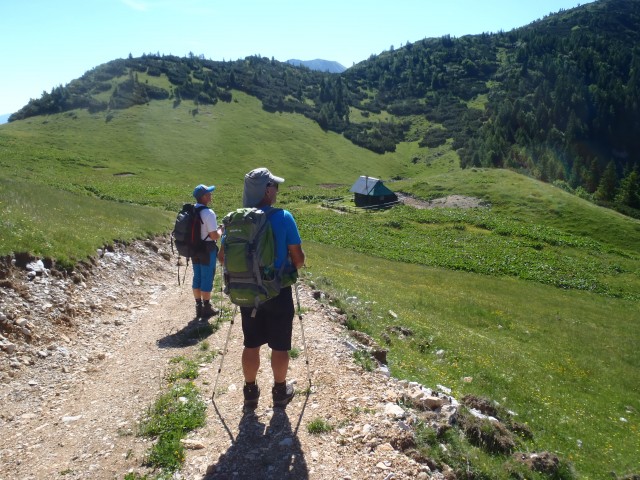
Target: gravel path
<point>96,356</point>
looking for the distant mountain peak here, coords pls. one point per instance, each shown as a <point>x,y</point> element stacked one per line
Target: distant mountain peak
<point>319,65</point>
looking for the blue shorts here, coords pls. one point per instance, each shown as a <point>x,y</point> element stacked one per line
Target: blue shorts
<point>273,323</point>
<point>203,274</point>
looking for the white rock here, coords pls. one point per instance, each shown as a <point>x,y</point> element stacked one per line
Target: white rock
<point>36,266</point>
<point>21,322</point>
<point>444,389</point>
<point>478,414</point>
<point>70,419</point>
<point>192,444</point>
<point>393,410</point>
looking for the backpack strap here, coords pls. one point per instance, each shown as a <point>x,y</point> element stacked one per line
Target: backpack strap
<point>279,272</point>
<point>198,211</point>
<point>275,244</point>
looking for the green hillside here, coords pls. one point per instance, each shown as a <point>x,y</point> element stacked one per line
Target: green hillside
<point>74,181</point>
<point>557,99</point>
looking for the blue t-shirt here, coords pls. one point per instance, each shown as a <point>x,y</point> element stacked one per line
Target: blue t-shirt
<point>285,231</point>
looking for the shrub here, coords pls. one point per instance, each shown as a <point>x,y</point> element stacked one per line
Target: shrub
<point>318,426</point>
<point>489,435</point>
<point>294,353</point>
<point>362,358</point>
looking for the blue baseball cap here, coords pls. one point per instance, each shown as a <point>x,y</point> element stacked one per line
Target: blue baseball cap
<point>201,189</point>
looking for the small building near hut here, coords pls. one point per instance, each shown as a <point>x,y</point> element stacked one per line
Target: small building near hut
<point>371,192</point>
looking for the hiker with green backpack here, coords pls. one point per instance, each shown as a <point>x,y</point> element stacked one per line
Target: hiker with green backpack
<point>267,316</point>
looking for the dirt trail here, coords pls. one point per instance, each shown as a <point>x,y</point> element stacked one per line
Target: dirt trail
<point>79,420</point>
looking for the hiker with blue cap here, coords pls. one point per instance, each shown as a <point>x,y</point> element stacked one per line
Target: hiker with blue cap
<point>204,264</point>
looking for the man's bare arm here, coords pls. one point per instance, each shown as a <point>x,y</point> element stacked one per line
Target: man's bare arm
<point>297,256</point>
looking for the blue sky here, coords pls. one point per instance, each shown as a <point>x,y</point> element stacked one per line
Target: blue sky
<point>46,43</point>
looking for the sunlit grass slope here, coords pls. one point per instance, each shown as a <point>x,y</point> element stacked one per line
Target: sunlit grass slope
<point>564,361</point>
<point>528,200</point>
<point>154,154</point>
<point>47,222</point>
<point>535,297</point>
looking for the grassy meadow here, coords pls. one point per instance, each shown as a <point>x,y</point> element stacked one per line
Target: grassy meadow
<point>534,298</point>
<point>564,361</point>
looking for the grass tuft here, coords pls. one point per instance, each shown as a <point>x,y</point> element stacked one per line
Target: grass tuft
<point>172,416</point>
<point>318,426</point>
<point>294,353</point>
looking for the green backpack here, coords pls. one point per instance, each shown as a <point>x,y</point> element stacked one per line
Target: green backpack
<point>249,254</point>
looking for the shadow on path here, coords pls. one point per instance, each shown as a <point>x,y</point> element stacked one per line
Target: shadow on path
<point>262,452</point>
<point>189,335</point>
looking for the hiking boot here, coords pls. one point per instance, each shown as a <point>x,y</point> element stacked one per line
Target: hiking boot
<point>282,395</point>
<point>198,309</point>
<point>208,311</point>
<point>251,396</point>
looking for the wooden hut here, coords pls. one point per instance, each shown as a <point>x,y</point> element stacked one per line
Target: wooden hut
<point>371,192</point>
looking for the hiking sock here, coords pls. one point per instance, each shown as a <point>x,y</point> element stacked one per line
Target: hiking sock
<point>198,308</point>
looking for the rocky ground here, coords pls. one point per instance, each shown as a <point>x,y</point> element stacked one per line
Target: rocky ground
<point>83,356</point>
<point>450,201</point>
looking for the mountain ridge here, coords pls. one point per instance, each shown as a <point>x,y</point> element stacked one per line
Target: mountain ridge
<point>319,65</point>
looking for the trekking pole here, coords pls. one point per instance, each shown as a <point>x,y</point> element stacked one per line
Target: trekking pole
<point>304,342</point>
<point>224,351</point>
<point>221,278</point>
<point>184,275</point>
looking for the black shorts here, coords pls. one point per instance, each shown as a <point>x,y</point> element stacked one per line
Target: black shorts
<point>273,323</point>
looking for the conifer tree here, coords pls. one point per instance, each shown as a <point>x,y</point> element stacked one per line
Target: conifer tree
<point>629,192</point>
<point>606,190</point>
